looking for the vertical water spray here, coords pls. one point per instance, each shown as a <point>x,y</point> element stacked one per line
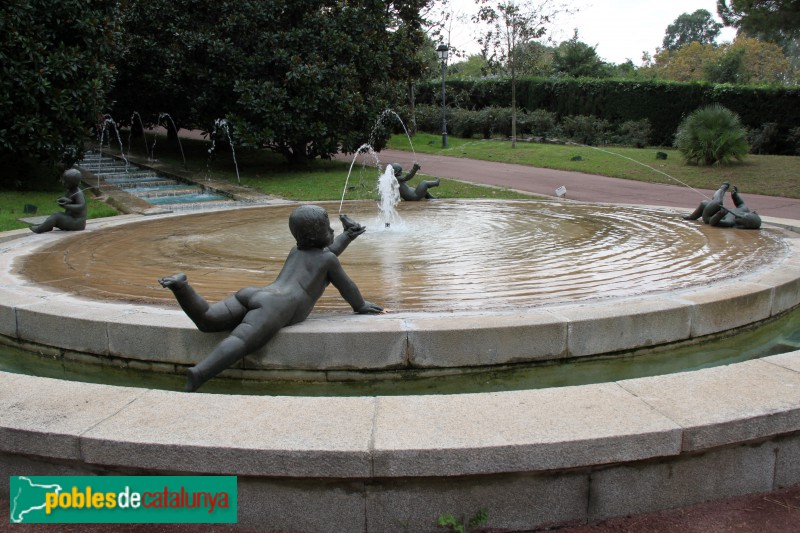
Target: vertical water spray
<point>167,116</point>
<point>222,125</point>
<point>389,197</point>
<point>144,134</point>
<point>364,148</point>
<point>108,121</point>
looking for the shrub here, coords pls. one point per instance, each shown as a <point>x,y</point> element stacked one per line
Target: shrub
<point>495,121</point>
<point>711,135</point>
<point>764,139</point>
<point>634,133</point>
<point>429,118</point>
<point>794,139</point>
<point>542,123</point>
<point>462,122</point>
<point>585,129</point>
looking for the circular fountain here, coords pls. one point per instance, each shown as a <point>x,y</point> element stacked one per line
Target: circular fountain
<point>469,284</point>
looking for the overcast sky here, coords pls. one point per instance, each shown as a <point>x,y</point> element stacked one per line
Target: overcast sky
<point>621,29</point>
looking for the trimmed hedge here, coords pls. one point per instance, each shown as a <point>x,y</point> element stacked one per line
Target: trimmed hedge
<point>664,104</point>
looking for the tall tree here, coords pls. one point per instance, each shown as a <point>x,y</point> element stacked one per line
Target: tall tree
<point>509,25</point>
<point>762,62</point>
<point>686,64</point>
<point>578,59</point>
<point>55,69</point>
<point>304,78</point>
<point>776,21</point>
<point>770,19</point>
<point>745,61</point>
<point>699,26</point>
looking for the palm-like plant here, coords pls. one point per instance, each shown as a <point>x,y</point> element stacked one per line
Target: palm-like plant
<point>712,135</point>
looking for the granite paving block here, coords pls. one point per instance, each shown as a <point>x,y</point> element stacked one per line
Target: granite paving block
<point>41,416</point>
<point>723,405</point>
<point>603,328</point>
<point>317,505</point>
<point>787,462</point>
<point>720,309</point>
<point>786,283</point>
<point>486,340</point>
<point>10,299</point>
<point>159,335</point>
<point>790,360</point>
<point>241,435</point>
<point>60,322</point>
<point>366,342</point>
<point>22,465</point>
<point>517,431</point>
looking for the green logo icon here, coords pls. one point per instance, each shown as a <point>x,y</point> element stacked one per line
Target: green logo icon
<point>123,499</point>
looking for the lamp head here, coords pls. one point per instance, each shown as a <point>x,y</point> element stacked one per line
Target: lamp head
<point>441,51</point>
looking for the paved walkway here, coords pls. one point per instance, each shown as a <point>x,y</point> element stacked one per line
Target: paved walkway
<point>582,187</point>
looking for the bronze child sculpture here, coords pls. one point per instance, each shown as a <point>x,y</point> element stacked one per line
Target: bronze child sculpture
<point>74,216</point>
<point>715,214</point>
<point>254,315</point>
<point>407,193</point>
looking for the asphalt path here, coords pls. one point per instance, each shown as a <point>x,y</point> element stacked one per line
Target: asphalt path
<point>579,186</point>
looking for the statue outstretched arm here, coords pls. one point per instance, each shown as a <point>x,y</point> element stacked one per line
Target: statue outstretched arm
<point>349,290</point>
<point>352,229</point>
<point>410,175</point>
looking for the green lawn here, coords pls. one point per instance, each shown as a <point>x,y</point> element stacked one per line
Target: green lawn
<point>758,174</point>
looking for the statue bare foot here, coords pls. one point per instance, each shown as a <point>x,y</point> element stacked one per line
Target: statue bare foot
<point>193,380</point>
<point>176,281</point>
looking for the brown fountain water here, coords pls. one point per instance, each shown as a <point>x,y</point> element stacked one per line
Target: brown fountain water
<point>444,256</point>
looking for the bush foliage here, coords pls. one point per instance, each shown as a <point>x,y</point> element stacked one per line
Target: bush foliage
<point>55,70</point>
<point>712,135</point>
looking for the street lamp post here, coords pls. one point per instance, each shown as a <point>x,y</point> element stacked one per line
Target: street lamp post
<point>441,51</point>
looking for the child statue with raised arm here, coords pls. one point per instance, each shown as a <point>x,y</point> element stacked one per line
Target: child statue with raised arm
<point>254,315</point>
